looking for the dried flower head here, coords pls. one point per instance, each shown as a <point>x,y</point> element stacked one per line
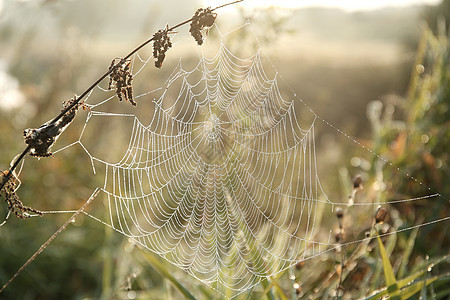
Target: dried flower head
<point>161,43</point>
<point>121,79</point>
<point>380,215</point>
<point>14,204</point>
<point>203,18</point>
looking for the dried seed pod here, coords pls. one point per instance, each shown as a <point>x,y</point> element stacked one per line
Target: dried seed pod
<point>203,18</point>
<point>380,215</point>
<point>339,213</point>
<point>299,265</point>
<point>14,204</point>
<point>297,287</point>
<point>161,43</point>
<point>121,79</point>
<point>357,182</point>
<point>339,236</point>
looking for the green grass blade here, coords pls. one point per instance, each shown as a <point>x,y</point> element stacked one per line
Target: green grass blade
<point>414,288</point>
<point>406,281</point>
<point>268,287</point>
<point>280,292</point>
<point>158,266</point>
<point>443,294</point>
<point>401,283</point>
<point>423,294</point>
<point>249,294</point>
<point>407,253</point>
<point>391,281</point>
<point>417,287</point>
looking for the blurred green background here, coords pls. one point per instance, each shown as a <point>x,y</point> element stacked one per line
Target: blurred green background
<point>381,75</point>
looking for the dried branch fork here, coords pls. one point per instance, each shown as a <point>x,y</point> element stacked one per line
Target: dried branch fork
<point>41,139</point>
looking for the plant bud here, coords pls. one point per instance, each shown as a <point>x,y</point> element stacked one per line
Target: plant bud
<point>300,265</point>
<point>339,236</point>
<point>357,182</point>
<point>297,288</point>
<point>380,215</point>
<point>339,213</point>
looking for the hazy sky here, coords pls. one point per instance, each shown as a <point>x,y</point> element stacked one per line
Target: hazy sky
<point>350,5</point>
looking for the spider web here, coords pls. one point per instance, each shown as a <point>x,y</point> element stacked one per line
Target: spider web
<point>220,175</point>
<point>223,180</point>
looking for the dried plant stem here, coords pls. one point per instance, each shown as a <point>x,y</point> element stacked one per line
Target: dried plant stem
<point>14,166</point>
<point>92,86</point>
<point>44,245</point>
<point>342,266</point>
<point>123,60</point>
